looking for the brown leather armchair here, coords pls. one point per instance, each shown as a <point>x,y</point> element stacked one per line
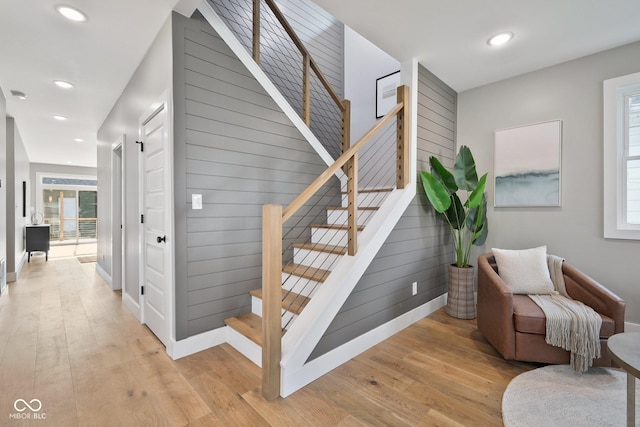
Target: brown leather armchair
<point>515,325</point>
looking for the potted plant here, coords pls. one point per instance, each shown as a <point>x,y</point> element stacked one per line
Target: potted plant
<point>467,222</point>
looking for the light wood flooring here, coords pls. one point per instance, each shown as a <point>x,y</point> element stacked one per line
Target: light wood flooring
<point>67,340</point>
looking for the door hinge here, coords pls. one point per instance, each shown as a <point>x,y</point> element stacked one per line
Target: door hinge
<point>141,145</point>
<point>141,290</point>
<point>142,219</point>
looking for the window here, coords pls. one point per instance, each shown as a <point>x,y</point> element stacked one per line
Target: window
<point>622,157</point>
<point>632,158</point>
<point>69,205</point>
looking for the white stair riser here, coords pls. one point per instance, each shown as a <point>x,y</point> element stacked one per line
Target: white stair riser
<point>287,317</point>
<point>341,216</point>
<point>300,285</point>
<point>316,259</point>
<point>244,345</point>
<point>366,200</point>
<point>329,236</point>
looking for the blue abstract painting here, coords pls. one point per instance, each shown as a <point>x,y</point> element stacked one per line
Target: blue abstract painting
<point>527,163</point>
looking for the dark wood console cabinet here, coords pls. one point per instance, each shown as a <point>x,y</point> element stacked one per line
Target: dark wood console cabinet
<point>38,240</point>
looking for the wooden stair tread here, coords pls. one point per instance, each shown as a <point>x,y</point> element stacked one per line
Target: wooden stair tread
<point>247,324</point>
<point>364,208</point>
<point>335,226</point>
<point>306,272</point>
<point>291,301</point>
<point>374,190</point>
<point>330,249</point>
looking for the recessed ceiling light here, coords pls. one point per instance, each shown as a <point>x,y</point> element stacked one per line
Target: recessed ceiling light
<point>18,94</point>
<point>63,84</point>
<point>500,39</point>
<point>71,13</point>
<point>61,118</point>
<point>69,163</point>
<point>79,140</point>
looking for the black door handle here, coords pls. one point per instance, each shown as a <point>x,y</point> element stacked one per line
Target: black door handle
<point>161,239</point>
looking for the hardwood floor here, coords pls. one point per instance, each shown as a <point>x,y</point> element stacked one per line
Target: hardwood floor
<point>67,340</point>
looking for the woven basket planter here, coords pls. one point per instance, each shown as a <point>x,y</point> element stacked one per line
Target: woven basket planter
<point>461,299</point>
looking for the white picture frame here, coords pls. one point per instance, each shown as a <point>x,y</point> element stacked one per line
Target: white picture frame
<point>386,93</point>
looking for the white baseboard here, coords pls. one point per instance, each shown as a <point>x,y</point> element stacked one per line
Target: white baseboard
<point>197,343</point>
<point>132,305</point>
<point>13,276</point>
<point>293,381</point>
<point>23,260</point>
<point>105,276</point>
<point>631,327</point>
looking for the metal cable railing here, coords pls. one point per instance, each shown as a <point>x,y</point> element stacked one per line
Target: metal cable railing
<point>274,218</point>
<point>288,65</point>
<point>378,170</point>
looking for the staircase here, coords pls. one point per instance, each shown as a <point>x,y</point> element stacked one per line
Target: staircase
<point>310,267</point>
<point>305,284</point>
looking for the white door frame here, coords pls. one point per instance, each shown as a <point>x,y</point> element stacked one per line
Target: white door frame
<point>117,215</point>
<point>164,102</point>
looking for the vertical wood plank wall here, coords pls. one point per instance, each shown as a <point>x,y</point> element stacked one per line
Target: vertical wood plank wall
<point>234,146</point>
<point>419,248</point>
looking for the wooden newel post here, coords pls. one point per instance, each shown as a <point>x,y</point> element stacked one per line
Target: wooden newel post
<point>352,206</point>
<point>402,156</point>
<point>306,89</point>
<point>345,129</point>
<point>256,31</point>
<point>271,300</point>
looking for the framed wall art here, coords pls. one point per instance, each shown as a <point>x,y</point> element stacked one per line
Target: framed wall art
<point>386,93</point>
<point>527,162</point>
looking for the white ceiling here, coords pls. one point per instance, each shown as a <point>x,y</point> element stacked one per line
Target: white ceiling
<point>450,37</point>
<point>38,46</point>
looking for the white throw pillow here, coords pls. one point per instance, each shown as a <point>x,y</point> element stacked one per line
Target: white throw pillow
<point>525,271</point>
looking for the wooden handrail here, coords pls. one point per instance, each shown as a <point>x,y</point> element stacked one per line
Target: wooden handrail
<point>256,31</point>
<point>303,50</point>
<point>303,198</point>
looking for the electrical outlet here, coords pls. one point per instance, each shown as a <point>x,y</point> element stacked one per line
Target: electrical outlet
<point>414,288</point>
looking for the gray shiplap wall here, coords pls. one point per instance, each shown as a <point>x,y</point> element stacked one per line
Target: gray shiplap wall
<point>419,248</point>
<point>234,146</point>
<point>321,34</point>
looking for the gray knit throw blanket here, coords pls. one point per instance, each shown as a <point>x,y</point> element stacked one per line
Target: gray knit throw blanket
<point>571,324</point>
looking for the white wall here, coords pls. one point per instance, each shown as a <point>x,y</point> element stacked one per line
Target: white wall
<point>571,92</point>
<point>17,173</point>
<point>152,77</point>
<point>364,62</point>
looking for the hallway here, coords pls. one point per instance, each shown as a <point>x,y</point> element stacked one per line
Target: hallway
<point>67,340</point>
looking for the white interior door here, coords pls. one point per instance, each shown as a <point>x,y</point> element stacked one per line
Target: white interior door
<point>156,271</point>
